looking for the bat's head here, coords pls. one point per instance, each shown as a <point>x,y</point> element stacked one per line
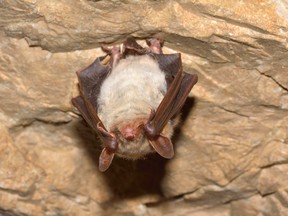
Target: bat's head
<point>134,142</point>
<point>131,138</point>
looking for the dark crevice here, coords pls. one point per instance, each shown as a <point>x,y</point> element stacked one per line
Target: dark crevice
<point>28,122</point>
<point>240,24</point>
<point>19,193</point>
<point>283,162</point>
<point>233,111</point>
<point>55,123</point>
<point>273,79</point>
<point>4,212</point>
<point>235,41</point>
<point>169,199</point>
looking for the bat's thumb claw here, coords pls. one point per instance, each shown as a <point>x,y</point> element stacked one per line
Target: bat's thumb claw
<point>163,146</point>
<point>105,159</point>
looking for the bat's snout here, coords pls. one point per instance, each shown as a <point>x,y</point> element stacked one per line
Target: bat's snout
<point>131,131</point>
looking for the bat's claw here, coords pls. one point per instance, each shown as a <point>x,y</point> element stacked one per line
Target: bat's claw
<point>131,47</point>
<point>155,45</point>
<point>114,53</point>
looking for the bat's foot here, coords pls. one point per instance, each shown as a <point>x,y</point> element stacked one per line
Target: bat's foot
<point>114,53</point>
<point>131,47</point>
<point>155,45</point>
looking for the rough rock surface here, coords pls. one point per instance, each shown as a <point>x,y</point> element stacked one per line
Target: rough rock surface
<point>232,149</point>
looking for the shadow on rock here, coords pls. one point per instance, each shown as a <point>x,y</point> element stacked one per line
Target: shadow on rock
<point>185,113</point>
<point>126,178</point>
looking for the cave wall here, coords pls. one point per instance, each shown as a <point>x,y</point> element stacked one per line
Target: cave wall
<point>232,148</point>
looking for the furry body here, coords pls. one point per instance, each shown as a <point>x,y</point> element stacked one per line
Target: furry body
<point>133,88</point>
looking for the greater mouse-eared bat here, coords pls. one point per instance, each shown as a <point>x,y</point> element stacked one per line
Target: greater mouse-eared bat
<point>132,100</point>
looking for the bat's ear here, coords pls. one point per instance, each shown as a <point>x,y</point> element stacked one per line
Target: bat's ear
<point>163,146</point>
<point>105,159</point>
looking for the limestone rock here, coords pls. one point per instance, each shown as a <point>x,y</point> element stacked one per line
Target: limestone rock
<point>232,146</point>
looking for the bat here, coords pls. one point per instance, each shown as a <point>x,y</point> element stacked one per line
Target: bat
<point>132,98</point>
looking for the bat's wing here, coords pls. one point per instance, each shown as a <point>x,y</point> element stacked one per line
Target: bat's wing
<point>170,64</point>
<point>90,81</point>
<point>170,105</point>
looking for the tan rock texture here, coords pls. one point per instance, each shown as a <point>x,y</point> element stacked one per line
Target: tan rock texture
<point>232,148</point>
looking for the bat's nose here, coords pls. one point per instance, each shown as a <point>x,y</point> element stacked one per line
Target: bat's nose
<point>133,130</point>
<point>129,137</point>
<point>129,133</point>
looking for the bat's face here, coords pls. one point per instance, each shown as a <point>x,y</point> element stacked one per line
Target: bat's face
<point>132,140</point>
<point>133,101</point>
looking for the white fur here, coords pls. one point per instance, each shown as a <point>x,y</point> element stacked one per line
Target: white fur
<point>135,86</point>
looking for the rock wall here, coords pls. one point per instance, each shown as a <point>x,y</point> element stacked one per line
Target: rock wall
<point>231,151</point>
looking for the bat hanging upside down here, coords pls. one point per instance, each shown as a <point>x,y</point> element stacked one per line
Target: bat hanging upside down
<point>133,100</point>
